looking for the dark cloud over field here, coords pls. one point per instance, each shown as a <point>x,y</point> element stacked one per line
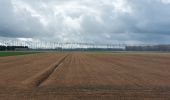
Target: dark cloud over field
<point>109,21</point>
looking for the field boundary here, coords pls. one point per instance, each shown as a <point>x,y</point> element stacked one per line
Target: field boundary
<point>39,78</point>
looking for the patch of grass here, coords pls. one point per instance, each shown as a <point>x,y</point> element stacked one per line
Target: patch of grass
<point>15,53</point>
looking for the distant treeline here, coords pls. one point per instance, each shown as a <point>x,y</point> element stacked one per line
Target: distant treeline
<point>91,49</point>
<point>80,49</point>
<point>148,48</point>
<point>13,48</point>
<point>127,48</point>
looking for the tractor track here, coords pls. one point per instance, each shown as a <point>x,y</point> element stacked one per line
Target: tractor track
<point>39,78</point>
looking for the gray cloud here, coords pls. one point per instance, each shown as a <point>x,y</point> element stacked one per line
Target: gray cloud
<point>110,21</point>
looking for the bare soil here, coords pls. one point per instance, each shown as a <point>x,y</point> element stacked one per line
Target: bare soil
<point>85,76</point>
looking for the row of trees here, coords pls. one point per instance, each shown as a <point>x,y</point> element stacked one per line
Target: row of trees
<point>148,48</point>
<point>12,48</point>
<point>127,48</point>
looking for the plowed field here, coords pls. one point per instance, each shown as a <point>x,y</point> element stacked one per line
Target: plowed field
<point>85,76</point>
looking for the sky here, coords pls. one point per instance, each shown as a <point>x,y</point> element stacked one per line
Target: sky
<point>94,21</point>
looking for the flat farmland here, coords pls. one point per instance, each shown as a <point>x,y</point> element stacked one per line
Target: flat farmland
<point>85,76</point>
<point>15,70</point>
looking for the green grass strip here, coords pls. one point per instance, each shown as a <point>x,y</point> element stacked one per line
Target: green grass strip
<point>13,53</point>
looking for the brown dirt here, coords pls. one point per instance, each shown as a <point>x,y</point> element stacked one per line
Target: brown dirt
<point>85,76</point>
<point>14,70</point>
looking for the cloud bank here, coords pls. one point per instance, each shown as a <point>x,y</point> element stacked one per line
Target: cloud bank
<point>98,21</point>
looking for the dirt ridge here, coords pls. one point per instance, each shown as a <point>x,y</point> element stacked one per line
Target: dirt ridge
<point>39,78</point>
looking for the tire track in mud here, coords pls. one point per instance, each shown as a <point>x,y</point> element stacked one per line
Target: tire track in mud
<point>39,78</point>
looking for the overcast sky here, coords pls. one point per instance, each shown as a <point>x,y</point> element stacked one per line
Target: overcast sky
<point>98,21</point>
